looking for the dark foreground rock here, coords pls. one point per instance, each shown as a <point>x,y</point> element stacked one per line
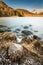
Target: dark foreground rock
<point>15,51</point>
<point>6,39</point>
<point>36,37</point>
<point>26,39</point>
<point>29,52</point>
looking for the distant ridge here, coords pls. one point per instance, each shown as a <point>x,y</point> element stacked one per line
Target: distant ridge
<point>6,11</point>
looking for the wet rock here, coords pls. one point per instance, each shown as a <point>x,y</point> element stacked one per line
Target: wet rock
<point>36,37</point>
<point>35,31</point>
<point>25,27</point>
<point>6,62</point>
<point>8,36</point>
<point>15,51</point>
<point>0,59</point>
<point>2,26</point>
<point>30,62</point>
<point>34,47</point>
<point>15,63</point>
<point>42,47</point>
<point>6,39</point>
<point>17,29</point>
<point>29,58</point>
<point>4,29</point>
<point>19,39</point>
<point>12,53</point>
<point>26,39</point>
<point>30,25</point>
<point>26,32</point>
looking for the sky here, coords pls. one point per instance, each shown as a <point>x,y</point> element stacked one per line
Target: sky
<point>25,4</point>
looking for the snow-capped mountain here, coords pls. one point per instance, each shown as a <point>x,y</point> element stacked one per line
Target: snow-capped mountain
<point>37,11</point>
<point>6,11</point>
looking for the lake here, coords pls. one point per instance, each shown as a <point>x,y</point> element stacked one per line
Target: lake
<point>31,25</point>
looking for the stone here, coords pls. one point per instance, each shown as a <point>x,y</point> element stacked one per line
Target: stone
<point>25,27</point>
<point>6,39</point>
<point>26,39</point>
<point>7,36</point>
<point>4,29</point>
<point>19,39</point>
<point>26,32</point>
<point>34,47</point>
<point>36,37</point>
<point>17,29</point>
<point>15,51</point>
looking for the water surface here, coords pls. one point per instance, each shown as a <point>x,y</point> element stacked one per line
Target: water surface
<point>17,25</point>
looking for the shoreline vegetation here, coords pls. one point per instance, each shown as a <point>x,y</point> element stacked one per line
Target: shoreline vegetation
<point>15,51</point>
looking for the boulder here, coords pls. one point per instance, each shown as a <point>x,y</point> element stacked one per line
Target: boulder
<point>15,51</point>
<point>36,37</point>
<point>34,47</point>
<point>9,36</point>
<point>26,32</point>
<point>6,39</point>
<point>26,39</point>
<point>25,27</point>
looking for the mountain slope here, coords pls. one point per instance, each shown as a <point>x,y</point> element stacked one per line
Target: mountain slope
<point>24,12</point>
<point>5,10</point>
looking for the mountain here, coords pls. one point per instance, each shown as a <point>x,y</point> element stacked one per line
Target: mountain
<point>38,11</point>
<point>6,11</point>
<point>24,12</point>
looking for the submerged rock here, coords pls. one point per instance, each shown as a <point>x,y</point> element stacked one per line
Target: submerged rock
<point>4,29</point>
<point>25,27</point>
<point>17,29</point>
<point>30,25</point>
<point>26,32</point>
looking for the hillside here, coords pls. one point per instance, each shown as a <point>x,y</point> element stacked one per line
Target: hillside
<point>6,11</point>
<point>38,12</point>
<point>24,12</point>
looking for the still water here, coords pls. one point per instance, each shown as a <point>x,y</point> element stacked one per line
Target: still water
<point>17,25</point>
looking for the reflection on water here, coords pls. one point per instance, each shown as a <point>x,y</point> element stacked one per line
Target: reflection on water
<point>32,25</point>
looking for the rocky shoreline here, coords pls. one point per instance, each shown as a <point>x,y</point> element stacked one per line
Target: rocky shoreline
<point>23,51</point>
